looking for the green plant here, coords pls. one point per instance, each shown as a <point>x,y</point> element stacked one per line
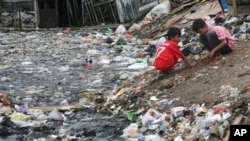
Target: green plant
<point>2,11</point>
<point>130,19</point>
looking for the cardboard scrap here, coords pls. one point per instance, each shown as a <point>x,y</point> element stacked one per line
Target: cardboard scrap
<point>207,9</point>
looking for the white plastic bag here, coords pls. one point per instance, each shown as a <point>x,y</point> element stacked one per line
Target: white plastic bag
<point>149,118</point>
<point>177,110</point>
<point>138,66</point>
<point>161,40</point>
<point>135,27</point>
<point>56,115</point>
<point>178,138</point>
<point>121,29</point>
<point>153,138</point>
<point>130,130</point>
<point>159,10</point>
<point>64,103</point>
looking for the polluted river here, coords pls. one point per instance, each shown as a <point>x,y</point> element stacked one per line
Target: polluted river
<point>53,69</point>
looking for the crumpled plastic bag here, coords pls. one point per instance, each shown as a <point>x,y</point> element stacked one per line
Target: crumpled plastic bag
<point>121,29</point>
<point>157,42</point>
<point>177,110</point>
<point>56,115</point>
<point>22,108</point>
<point>151,117</point>
<point>138,66</point>
<point>130,130</point>
<point>134,28</point>
<point>20,119</point>
<point>37,114</point>
<point>159,10</point>
<point>178,138</point>
<point>18,116</point>
<point>64,103</point>
<point>154,138</point>
<point>208,20</point>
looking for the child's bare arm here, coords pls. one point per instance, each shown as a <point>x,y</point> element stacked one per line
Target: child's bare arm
<point>187,62</point>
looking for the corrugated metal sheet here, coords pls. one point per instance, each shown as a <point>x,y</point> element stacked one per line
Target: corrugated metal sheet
<point>127,9</point>
<point>146,2</point>
<point>130,9</point>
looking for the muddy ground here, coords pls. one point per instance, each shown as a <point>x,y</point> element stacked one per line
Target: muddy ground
<point>202,83</point>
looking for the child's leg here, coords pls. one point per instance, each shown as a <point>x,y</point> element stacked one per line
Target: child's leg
<point>164,72</point>
<point>214,41</point>
<point>204,41</point>
<point>226,49</point>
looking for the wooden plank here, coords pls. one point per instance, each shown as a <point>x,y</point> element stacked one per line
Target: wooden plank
<point>179,8</point>
<point>157,30</point>
<point>149,34</point>
<point>235,12</point>
<point>148,29</point>
<point>204,10</point>
<point>173,20</point>
<point>170,22</point>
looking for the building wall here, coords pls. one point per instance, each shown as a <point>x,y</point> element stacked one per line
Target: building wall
<point>15,5</point>
<point>12,1</point>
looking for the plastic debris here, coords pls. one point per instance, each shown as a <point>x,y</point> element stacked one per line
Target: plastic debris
<point>130,130</point>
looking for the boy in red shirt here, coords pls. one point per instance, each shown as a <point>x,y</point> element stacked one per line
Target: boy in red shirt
<point>168,53</point>
<point>216,39</point>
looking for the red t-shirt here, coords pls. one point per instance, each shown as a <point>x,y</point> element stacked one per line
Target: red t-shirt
<point>167,55</point>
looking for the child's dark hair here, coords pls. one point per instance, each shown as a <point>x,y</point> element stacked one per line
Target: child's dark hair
<point>198,24</point>
<point>173,31</point>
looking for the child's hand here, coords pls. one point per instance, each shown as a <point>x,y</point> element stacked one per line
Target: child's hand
<point>192,65</point>
<point>211,54</point>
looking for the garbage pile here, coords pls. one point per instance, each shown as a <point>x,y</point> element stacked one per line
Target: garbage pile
<point>196,122</point>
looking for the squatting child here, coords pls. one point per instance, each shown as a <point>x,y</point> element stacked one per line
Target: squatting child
<point>216,39</point>
<point>168,53</point>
